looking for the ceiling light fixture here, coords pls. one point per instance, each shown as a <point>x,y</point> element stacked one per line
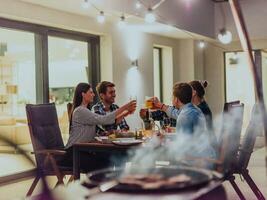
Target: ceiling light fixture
<point>138,5</point>
<point>85,4</point>
<point>202,44</point>
<point>150,17</point>
<point>225,36</point>
<point>122,22</point>
<point>101,17</point>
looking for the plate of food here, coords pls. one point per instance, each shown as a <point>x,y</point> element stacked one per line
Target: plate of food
<point>126,141</point>
<point>124,134</point>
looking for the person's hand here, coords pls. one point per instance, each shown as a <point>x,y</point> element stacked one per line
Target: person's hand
<point>131,106</point>
<point>156,103</point>
<point>143,113</point>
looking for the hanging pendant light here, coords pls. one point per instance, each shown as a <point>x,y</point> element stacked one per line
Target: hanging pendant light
<point>225,36</point>
<point>150,17</point>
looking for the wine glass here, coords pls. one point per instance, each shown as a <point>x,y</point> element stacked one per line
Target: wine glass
<point>133,98</point>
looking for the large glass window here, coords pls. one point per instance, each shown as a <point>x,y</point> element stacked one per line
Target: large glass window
<point>37,64</point>
<point>17,71</point>
<point>68,65</point>
<point>17,88</point>
<point>239,83</point>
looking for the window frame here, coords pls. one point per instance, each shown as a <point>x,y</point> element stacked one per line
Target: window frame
<point>160,71</point>
<point>41,33</point>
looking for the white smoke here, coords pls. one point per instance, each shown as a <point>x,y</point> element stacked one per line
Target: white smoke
<point>196,149</point>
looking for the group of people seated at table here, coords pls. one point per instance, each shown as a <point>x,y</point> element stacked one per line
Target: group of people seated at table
<point>188,112</point>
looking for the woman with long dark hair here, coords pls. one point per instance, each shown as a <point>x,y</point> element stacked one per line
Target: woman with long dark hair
<point>83,124</point>
<point>198,99</point>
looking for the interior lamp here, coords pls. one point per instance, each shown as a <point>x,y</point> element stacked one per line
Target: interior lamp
<point>225,36</point>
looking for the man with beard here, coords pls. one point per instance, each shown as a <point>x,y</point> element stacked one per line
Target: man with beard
<point>107,93</point>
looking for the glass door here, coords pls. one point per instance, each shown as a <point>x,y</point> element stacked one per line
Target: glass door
<point>67,66</point>
<point>239,83</point>
<point>17,88</point>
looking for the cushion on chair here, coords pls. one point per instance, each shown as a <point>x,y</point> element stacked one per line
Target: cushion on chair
<point>45,128</point>
<point>5,121</point>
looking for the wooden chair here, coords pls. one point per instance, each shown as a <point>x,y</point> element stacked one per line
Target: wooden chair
<point>227,105</point>
<point>235,160</point>
<point>253,130</point>
<point>47,142</point>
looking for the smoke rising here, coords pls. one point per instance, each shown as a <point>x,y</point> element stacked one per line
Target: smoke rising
<point>195,149</point>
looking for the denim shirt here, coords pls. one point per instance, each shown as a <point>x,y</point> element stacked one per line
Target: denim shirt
<point>189,119</point>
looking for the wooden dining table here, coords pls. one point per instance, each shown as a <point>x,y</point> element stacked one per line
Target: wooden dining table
<point>96,147</point>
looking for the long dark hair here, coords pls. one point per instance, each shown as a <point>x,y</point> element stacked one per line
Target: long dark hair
<point>78,98</point>
<point>199,87</point>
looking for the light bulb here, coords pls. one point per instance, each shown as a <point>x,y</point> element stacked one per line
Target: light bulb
<point>122,22</point>
<point>138,5</point>
<point>225,36</point>
<point>101,17</point>
<point>150,17</point>
<point>85,4</point>
<point>202,44</point>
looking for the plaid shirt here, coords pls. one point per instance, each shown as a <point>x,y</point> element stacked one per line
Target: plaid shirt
<point>163,118</point>
<point>99,109</point>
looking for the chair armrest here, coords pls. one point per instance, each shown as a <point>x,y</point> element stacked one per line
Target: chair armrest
<point>50,151</point>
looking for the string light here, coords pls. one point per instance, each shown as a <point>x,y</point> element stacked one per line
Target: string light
<point>225,36</point>
<point>85,4</point>
<point>101,17</point>
<point>150,17</point>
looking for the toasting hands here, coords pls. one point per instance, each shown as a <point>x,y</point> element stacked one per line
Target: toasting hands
<point>156,103</point>
<point>131,106</point>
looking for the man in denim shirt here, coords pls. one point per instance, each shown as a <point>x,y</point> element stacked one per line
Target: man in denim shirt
<point>189,118</point>
<point>190,124</point>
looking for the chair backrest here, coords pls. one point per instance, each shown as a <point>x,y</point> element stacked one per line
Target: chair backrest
<point>227,105</point>
<point>226,111</point>
<point>253,130</point>
<point>44,128</point>
<point>230,136</point>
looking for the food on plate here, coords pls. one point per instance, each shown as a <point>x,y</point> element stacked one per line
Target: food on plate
<point>179,179</point>
<point>112,136</point>
<point>120,134</point>
<point>153,181</point>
